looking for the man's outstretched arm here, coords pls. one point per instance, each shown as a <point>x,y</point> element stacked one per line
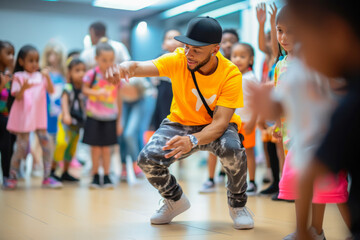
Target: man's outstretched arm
<point>127,70</point>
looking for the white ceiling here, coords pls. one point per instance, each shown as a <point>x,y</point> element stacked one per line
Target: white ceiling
<point>85,7</point>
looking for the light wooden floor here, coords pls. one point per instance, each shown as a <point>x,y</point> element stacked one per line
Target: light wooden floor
<point>75,212</point>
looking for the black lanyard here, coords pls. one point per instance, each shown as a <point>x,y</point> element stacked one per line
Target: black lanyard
<point>210,112</point>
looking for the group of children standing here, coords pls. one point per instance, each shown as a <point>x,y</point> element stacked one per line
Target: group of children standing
<point>39,100</point>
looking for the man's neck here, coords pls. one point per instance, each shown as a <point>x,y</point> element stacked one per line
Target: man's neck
<point>210,67</point>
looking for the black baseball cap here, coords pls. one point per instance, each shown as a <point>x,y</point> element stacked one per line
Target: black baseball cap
<point>202,31</point>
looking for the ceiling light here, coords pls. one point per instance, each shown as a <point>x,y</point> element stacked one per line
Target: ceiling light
<point>227,10</point>
<point>131,5</point>
<point>187,7</point>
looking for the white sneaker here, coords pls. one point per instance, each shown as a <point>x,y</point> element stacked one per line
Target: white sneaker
<point>251,189</point>
<point>291,236</point>
<point>207,187</point>
<point>316,236</point>
<point>242,218</point>
<point>170,209</point>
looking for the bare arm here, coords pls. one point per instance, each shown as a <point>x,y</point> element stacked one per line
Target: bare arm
<point>127,70</point>
<point>261,17</point>
<point>49,86</point>
<point>118,120</point>
<point>65,109</point>
<point>87,91</point>
<point>274,42</point>
<point>221,119</point>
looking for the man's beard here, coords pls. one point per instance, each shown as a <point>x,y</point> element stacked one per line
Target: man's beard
<point>200,65</point>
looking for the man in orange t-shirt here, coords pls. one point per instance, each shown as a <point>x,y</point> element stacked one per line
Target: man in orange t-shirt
<point>192,125</point>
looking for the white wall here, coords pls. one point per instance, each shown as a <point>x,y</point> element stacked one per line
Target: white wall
<point>22,27</point>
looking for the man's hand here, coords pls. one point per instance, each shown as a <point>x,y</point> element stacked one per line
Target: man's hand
<point>127,70</point>
<point>179,145</point>
<point>117,72</point>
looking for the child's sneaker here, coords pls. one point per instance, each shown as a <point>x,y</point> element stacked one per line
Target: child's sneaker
<point>316,236</point>
<point>207,187</point>
<point>95,184</point>
<point>272,189</point>
<point>291,236</point>
<point>51,182</point>
<point>67,177</point>
<point>268,176</point>
<point>53,175</point>
<point>138,172</point>
<point>108,183</point>
<point>9,184</point>
<point>123,176</point>
<point>251,189</point>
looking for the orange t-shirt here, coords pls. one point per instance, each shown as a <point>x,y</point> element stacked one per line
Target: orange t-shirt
<point>222,88</point>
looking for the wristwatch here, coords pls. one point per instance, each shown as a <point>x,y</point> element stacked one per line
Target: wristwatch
<point>193,140</point>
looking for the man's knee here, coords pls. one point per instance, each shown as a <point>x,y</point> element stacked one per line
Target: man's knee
<point>148,157</point>
<point>231,149</point>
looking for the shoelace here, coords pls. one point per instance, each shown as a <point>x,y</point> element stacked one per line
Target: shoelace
<point>164,204</point>
<point>246,210</point>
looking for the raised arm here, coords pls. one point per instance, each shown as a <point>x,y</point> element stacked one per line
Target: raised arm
<point>127,70</point>
<point>261,17</point>
<point>274,42</point>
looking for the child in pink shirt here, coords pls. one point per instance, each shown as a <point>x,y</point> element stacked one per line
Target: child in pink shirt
<point>28,112</point>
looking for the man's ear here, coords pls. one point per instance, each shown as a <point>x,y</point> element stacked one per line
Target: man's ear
<point>216,49</point>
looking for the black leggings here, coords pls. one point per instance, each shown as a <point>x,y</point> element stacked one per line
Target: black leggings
<point>7,141</point>
<point>274,162</point>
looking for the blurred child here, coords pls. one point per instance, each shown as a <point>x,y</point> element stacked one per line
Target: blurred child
<point>242,55</point>
<point>28,112</point>
<point>229,38</point>
<point>7,139</point>
<point>72,117</point>
<point>265,45</point>
<point>132,117</point>
<point>103,109</point>
<point>305,99</point>
<point>330,36</point>
<point>53,59</point>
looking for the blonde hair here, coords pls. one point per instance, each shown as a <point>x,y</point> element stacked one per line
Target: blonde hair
<point>58,49</point>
